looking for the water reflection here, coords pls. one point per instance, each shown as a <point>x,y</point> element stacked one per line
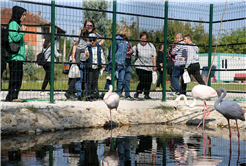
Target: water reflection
<point>156,145</point>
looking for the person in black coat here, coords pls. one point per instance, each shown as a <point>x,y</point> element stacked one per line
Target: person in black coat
<point>159,64</point>
<point>170,63</point>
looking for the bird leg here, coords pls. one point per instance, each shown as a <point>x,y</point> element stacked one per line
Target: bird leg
<point>207,109</point>
<point>203,120</point>
<point>229,131</point>
<point>238,134</point>
<point>111,119</point>
<point>111,126</point>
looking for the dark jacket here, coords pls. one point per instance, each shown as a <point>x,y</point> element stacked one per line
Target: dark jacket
<point>99,60</point>
<point>159,60</point>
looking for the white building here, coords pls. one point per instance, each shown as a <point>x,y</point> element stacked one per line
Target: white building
<point>225,61</point>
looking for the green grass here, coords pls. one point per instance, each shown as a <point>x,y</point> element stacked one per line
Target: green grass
<point>31,108</point>
<point>61,81</point>
<point>166,109</point>
<point>62,84</point>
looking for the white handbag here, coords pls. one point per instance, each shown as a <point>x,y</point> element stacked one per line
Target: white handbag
<point>74,71</point>
<point>154,77</point>
<point>186,77</point>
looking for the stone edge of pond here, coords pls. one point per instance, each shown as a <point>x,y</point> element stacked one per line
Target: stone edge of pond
<point>37,120</point>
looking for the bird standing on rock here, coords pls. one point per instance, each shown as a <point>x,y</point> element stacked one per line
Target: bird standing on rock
<point>230,110</point>
<point>202,92</point>
<point>111,99</point>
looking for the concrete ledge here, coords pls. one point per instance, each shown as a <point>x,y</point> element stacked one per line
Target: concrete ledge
<point>37,117</point>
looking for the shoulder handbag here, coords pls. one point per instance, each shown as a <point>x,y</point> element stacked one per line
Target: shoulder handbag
<point>41,58</point>
<point>14,46</point>
<point>67,66</point>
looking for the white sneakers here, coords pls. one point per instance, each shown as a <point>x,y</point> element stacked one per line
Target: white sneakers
<point>42,93</point>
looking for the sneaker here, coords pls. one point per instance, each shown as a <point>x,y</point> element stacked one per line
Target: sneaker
<point>147,97</point>
<point>129,98</point>
<point>79,98</point>
<point>177,93</point>
<point>172,88</point>
<point>121,96</point>
<point>17,100</point>
<point>67,95</point>
<point>73,97</point>
<point>136,95</point>
<point>42,93</point>
<point>89,99</point>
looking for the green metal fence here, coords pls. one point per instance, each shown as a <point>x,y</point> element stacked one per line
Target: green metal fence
<point>161,20</point>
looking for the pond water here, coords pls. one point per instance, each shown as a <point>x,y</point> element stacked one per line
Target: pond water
<point>130,145</point>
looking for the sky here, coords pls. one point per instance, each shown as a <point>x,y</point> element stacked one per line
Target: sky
<point>71,19</point>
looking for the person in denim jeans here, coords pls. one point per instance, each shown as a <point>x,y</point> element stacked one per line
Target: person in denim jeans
<point>180,52</point>
<point>78,54</point>
<point>123,60</point>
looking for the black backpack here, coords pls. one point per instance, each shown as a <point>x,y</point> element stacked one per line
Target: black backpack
<point>170,64</point>
<point>41,58</point>
<point>4,43</point>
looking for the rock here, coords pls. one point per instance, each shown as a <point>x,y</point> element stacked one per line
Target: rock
<point>20,127</point>
<point>59,127</point>
<point>46,130</point>
<point>22,131</point>
<point>38,130</point>
<point>52,130</point>
<point>31,131</point>
<point>6,119</point>
<point>24,110</point>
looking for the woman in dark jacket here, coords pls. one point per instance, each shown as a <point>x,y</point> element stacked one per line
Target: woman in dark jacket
<point>16,59</point>
<point>159,64</point>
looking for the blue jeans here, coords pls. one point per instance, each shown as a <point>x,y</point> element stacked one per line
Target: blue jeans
<point>124,150</point>
<point>124,76</point>
<point>177,72</point>
<point>78,83</point>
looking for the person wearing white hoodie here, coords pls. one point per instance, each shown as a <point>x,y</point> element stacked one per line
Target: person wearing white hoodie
<point>192,65</point>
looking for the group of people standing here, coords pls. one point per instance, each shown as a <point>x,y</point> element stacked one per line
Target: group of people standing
<point>144,52</point>
<point>88,54</point>
<point>184,56</point>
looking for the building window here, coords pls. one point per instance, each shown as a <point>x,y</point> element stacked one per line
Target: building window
<point>224,63</point>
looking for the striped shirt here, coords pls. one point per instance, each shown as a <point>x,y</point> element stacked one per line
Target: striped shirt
<point>180,51</point>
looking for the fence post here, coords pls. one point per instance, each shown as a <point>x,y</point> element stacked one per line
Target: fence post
<point>164,161</point>
<point>164,52</point>
<point>50,155</point>
<point>210,42</point>
<point>113,45</point>
<point>52,51</point>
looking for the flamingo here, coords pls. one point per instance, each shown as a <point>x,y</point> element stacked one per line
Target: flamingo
<point>202,92</point>
<point>230,110</point>
<point>111,99</point>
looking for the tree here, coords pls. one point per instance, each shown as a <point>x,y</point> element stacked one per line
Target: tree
<point>29,67</point>
<point>233,37</point>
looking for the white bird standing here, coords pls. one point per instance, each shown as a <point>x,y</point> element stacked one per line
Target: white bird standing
<point>230,110</point>
<point>111,99</point>
<point>202,92</point>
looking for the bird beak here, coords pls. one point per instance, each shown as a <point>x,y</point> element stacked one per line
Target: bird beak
<point>175,108</point>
